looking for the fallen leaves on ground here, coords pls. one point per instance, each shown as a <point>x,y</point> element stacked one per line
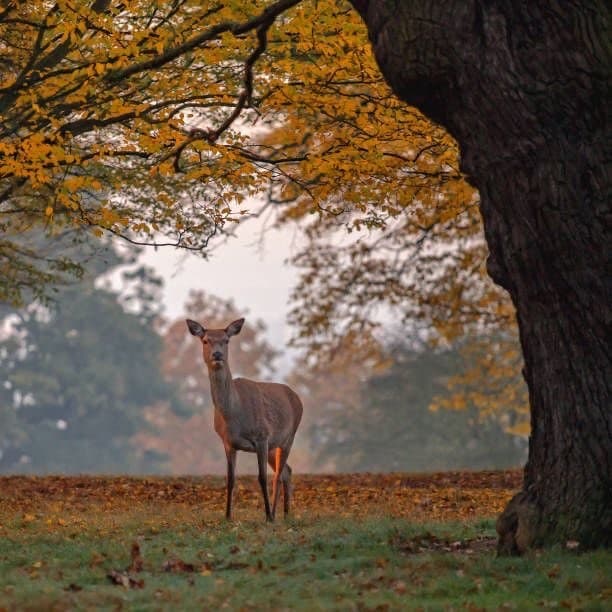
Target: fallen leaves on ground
<point>178,566</point>
<point>109,542</point>
<point>137,561</point>
<point>427,542</point>
<point>72,503</point>
<point>125,580</point>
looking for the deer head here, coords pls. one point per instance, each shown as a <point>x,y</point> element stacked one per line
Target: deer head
<point>215,342</point>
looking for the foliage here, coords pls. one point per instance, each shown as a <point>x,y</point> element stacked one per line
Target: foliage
<point>393,227</point>
<point>331,388</point>
<point>488,378</point>
<point>93,93</point>
<point>118,117</point>
<point>344,550</point>
<point>377,415</point>
<point>76,379</point>
<point>392,221</point>
<point>31,262</point>
<point>146,119</point>
<point>189,440</point>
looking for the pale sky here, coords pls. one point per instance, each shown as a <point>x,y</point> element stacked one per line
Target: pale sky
<point>248,268</point>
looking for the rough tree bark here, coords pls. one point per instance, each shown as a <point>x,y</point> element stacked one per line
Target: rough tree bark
<point>524,87</point>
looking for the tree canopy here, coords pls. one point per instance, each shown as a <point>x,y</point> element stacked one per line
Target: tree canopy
<point>113,115</point>
<point>145,118</point>
<point>159,122</point>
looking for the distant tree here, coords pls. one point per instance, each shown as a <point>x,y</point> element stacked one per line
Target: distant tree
<point>382,421</point>
<point>76,376</point>
<point>188,439</point>
<point>329,388</point>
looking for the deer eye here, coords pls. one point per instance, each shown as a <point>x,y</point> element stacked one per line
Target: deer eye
<point>204,340</point>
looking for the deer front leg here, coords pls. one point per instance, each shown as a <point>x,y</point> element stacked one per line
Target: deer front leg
<point>230,454</point>
<point>262,462</point>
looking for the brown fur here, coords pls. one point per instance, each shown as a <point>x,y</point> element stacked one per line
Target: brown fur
<point>256,417</point>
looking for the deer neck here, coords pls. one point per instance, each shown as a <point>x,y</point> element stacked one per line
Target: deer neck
<point>223,390</point>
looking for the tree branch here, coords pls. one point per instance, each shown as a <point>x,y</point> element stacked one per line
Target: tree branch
<point>266,17</point>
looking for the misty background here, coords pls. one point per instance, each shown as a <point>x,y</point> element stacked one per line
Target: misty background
<point>104,378</point>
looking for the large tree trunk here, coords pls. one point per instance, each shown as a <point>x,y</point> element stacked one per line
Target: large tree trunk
<point>524,87</point>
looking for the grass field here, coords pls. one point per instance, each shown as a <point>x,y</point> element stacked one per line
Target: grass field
<point>355,542</point>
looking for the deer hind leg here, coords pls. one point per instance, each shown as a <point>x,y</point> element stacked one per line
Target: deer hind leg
<point>282,472</point>
<point>287,489</point>
<point>262,455</point>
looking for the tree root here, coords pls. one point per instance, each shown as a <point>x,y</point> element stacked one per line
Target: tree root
<point>517,526</point>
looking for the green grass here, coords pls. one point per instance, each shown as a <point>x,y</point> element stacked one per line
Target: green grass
<point>305,564</point>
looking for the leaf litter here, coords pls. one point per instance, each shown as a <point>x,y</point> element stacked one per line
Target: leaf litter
<point>125,577</point>
<point>168,512</point>
<point>428,542</point>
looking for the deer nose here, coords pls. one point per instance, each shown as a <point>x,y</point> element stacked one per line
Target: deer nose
<point>217,355</point>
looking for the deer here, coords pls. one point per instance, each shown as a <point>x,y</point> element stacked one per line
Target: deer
<point>255,417</point>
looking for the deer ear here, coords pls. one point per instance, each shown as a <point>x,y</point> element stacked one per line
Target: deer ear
<point>195,328</point>
<point>234,328</point>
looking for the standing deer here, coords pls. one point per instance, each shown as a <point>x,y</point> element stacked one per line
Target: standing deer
<point>256,417</point>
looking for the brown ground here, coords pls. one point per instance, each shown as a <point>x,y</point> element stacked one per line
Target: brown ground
<point>80,502</point>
